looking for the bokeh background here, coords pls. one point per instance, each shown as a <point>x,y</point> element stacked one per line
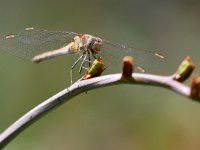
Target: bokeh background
<point>117,117</point>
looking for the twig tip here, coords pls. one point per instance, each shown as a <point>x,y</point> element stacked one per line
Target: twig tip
<point>127,67</point>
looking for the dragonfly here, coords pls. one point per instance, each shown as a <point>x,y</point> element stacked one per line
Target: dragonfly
<point>38,45</point>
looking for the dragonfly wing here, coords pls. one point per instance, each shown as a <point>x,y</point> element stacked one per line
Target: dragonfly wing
<point>144,60</point>
<point>30,42</point>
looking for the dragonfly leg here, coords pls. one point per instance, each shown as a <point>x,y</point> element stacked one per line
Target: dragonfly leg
<point>89,55</point>
<point>89,58</point>
<point>82,63</point>
<point>89,61</point>
<point>72,67</point>
<point>94,56</point>
<point>85,68</point>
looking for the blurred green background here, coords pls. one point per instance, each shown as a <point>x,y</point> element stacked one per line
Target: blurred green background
<point>113,118</point>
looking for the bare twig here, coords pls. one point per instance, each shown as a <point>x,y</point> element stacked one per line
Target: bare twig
<point>127,77</point>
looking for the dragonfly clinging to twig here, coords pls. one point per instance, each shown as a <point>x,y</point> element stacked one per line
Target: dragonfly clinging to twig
<point>39,45</point>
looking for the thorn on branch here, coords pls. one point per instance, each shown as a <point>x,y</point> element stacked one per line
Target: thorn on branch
<point>195,87</point>
<point>127,67</point>
<point>184,70</point>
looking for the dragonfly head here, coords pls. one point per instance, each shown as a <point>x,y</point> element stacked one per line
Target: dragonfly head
<point>94,44</point>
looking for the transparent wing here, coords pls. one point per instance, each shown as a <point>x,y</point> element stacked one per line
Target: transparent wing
<point>144,60</point>
<point>30,42</point>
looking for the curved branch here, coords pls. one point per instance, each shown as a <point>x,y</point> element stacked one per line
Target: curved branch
<point>127,77</point>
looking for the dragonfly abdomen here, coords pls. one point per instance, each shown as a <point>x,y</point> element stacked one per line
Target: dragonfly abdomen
<point>69,49</point>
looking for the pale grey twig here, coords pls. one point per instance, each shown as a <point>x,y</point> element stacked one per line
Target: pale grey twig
<point>83,86</point>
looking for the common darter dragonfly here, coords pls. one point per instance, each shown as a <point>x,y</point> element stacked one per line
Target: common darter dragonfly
<point>39,45</point>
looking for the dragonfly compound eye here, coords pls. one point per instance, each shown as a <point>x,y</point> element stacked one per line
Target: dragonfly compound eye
<point>97,45</point>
